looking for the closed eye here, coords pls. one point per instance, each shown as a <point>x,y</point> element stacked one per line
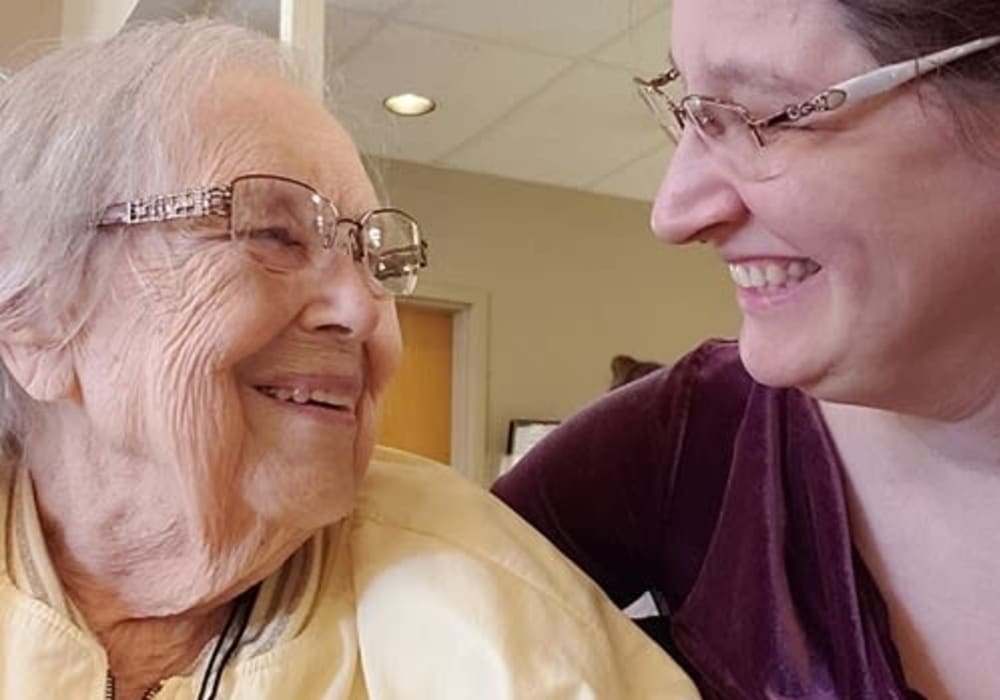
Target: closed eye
<point>274,234</point>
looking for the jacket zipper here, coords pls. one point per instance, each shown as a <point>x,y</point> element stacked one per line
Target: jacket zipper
<point>109,689</point>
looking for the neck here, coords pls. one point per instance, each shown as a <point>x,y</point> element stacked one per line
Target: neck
<point>153,586</point>
<point>137,600</point>
<point>942,458</point>
<point>167,647</point>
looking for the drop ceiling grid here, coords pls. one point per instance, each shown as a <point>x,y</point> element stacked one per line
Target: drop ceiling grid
<point>581,128</point>
<point>569,28</point>
<point>473,82</point>
<point>598,136</point>
<point>535,90</point>
<point>638,179</point>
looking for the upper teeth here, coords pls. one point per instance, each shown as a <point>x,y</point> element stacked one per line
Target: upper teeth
<point>299,395</point>
<point>772,274</point>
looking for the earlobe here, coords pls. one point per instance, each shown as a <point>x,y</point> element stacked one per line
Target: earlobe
<point>44,370</point>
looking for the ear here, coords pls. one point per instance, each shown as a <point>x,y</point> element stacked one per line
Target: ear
<point>44,368</point>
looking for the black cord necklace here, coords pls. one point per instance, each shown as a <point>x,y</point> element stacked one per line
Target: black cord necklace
<point>223,651</point>
<point>228,642</point>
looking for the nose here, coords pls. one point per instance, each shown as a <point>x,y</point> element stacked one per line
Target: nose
<point>342,299</point>
<point>697,199</point>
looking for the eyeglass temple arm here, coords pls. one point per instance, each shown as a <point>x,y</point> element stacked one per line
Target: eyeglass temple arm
<point>875,83</point>
<point>896,74</point>
<point>211,201</point>
<point>659,81</point>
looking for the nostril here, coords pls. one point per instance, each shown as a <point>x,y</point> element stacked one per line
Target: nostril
<point>335,328</point>
<point>683,215</point>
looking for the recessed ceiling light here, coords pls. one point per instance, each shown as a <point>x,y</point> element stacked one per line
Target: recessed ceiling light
<point>409,105</point>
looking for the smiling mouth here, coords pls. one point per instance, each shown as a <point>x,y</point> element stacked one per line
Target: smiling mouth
<point>773,275</point>
<point>302,397</point>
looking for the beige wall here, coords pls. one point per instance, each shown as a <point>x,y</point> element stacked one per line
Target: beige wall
<point>573,278</point>
<point>23,21</point>
<point>94,19</point>
<point>29,26</point>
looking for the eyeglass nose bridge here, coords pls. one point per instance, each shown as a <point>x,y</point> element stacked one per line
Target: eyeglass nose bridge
<point>329,236</point>
<point>661,104</point>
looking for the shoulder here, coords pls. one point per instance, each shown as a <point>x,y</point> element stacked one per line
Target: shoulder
<point>434,509</point>
<point>457,597</point>
<point>712,369</point>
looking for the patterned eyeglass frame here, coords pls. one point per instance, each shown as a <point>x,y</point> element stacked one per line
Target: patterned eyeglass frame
<point>842,95</point>
<point>217,200</point>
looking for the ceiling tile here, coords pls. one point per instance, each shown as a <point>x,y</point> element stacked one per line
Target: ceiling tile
<point>560,27</point>
<point>644,49</point>
<point>345,31</point>
<point>515,98</point>
<point>344,28</point>
<point>637,180</point>
<point>585,125</point>
<point>474,84</point>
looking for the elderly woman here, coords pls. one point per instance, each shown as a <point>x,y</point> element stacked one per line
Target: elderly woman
<point>817,508</point>
<point>194,343</point>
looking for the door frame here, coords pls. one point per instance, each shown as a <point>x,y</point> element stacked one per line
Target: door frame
<point>469,309</point>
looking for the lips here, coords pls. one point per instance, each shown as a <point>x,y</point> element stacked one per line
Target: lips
<point>331,393</point>
<point>315,397</point>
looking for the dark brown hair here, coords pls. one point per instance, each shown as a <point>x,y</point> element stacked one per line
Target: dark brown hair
<point>894,30</point>
<point>626,369</point>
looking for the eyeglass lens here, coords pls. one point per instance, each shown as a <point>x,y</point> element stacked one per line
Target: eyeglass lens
<point>722,126</point>
<point>285,225</point>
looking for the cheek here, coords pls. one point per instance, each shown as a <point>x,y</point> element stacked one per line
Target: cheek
<point>219,309</point>
<point>384,350</point>
<point>204,316</point>
<point>835,219</point>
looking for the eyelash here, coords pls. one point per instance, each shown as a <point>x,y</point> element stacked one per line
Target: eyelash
<point>281,235</point>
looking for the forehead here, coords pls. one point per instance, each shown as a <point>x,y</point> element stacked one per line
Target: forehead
<point>722,43</point>
<point>262,124</point>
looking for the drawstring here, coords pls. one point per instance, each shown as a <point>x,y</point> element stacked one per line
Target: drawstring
<point>239,618</point>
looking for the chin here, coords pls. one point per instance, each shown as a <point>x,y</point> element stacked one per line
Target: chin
<point>779,361</point>
<point>308,515</point>
<point>304,495</point>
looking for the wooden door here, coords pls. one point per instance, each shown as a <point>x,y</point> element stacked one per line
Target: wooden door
<point>416,411</point>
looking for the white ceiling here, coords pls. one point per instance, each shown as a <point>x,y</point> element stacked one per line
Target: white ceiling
<point>536,90</point>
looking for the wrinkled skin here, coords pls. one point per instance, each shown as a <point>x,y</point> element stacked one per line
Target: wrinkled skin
<point>157,455</point>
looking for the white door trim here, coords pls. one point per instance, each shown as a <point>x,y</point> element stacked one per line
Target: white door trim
<point>469,365</point>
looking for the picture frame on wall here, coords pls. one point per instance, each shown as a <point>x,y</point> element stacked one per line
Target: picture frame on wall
<point>522,435</point>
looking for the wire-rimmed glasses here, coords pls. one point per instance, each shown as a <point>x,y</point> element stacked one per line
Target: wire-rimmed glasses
<point>284,224</point>
<point>745,138</point>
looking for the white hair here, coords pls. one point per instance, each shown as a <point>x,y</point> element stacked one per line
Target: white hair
<point>85,127</point>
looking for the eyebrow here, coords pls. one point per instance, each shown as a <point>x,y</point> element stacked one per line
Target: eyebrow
<point>734,73</point>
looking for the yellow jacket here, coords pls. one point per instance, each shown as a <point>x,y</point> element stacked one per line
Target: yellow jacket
<point>431,590</point>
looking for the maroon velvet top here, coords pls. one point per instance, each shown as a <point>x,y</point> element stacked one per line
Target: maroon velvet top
<point>725,498</point>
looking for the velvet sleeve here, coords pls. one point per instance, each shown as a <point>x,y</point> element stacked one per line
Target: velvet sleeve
<point>627,488</point>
